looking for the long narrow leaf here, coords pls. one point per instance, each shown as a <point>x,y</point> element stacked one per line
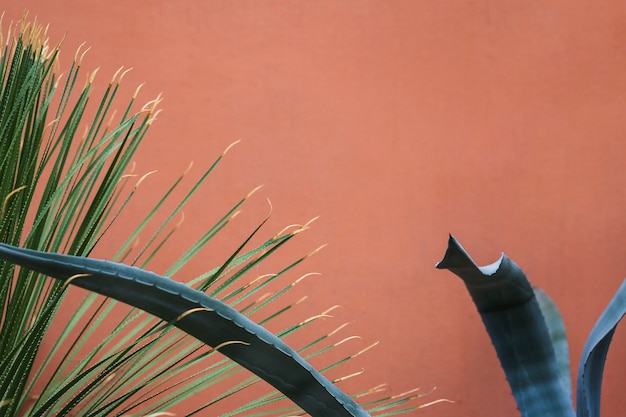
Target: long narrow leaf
<point>203,317</point>
<point>591,368</point>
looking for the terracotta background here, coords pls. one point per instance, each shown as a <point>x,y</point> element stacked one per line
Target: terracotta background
<point>501,122</point>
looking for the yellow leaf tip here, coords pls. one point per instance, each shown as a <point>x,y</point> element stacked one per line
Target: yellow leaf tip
<point>228,148</point>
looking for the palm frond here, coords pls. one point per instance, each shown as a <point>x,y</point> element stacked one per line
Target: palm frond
<point>65,159</point>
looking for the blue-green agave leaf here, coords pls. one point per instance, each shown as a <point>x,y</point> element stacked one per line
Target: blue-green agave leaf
<point>556,328</point>
<point>510,312</point>
<point>203,317</point>
<point>589,383</point>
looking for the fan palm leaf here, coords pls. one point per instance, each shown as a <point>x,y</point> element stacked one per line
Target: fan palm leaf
<point>66,179</point>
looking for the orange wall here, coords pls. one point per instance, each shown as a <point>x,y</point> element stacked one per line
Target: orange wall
<point>396,122</point>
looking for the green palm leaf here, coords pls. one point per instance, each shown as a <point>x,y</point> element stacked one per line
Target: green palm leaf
<point>65,159</point>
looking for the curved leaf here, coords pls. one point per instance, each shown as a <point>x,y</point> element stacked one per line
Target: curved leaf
<point>511,315</point>
<point>203,317</point>
<point>589,383</point>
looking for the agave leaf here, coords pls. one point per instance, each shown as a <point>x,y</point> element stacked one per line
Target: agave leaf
<point>203,317</point>
<point>591,367</point>
<point>510,312</point>
<point>556,328</point>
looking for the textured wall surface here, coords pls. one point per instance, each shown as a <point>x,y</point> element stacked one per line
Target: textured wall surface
<point>396,122</point>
